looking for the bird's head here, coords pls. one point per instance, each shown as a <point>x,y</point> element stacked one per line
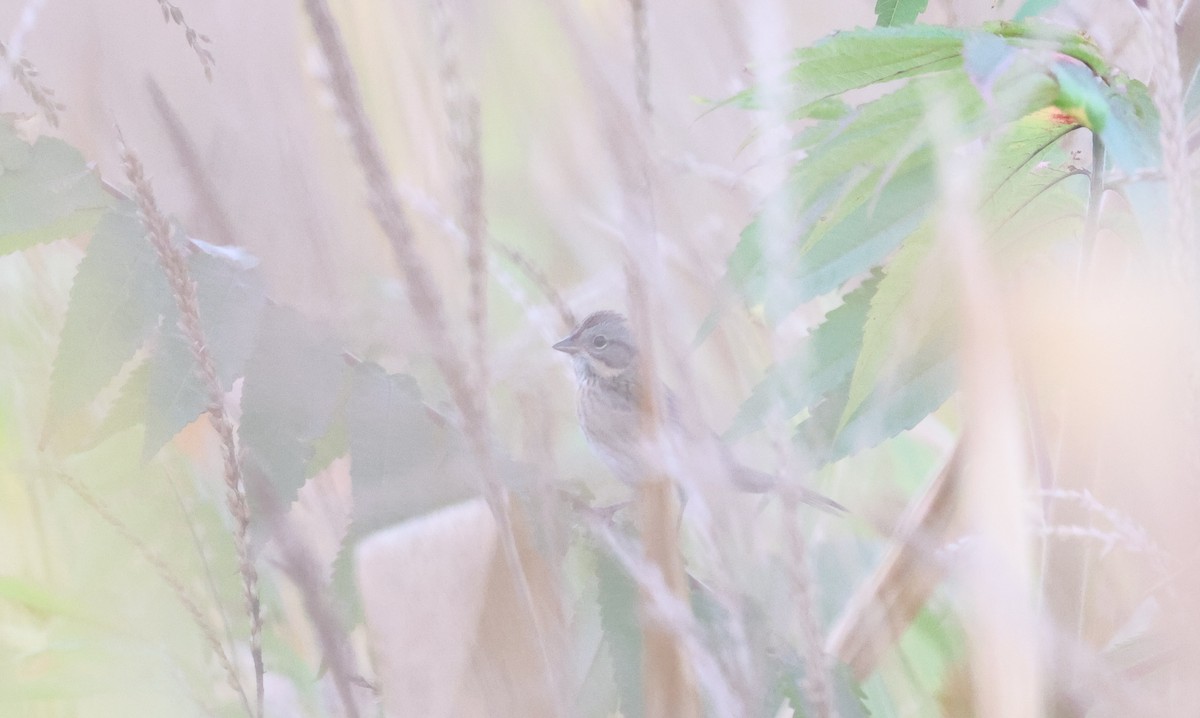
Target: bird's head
<point>602,346</point>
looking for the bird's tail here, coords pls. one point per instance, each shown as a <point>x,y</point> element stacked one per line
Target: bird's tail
<point>752,480</point>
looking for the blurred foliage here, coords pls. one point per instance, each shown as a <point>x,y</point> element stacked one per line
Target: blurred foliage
<point>898,12</point>
<point>864,199</point>
<point>855,224</point>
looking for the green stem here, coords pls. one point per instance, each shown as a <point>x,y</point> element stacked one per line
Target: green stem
<point>1092,224</point>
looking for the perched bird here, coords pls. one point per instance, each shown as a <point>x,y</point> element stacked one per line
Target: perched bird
<point>609,377</point>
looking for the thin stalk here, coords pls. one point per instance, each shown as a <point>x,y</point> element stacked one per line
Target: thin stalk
<point>1091,224</point>
<point>168,577</point>
<point>183,289</point>
<point>384,201</point>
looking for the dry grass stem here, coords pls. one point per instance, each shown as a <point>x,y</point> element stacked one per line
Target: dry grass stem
<point>817,682</point>
<point>428,208</point>
<point>1125,530</point>
<point>1005,660</point>
<point>169,578</point>
<point>384,202</point>
<point>1167,91</point>
<point>672,614</point>
<point>641,56</point>
<point>539,280</point>
<point>197,41</point>
<point>183,289</point>
<point>336,650</point>
<point>463,116</point>
<point>202,186</point>
<point>766,38</point>
<point>26,75</point>
<point>671,682</point>
<point>422,293</point>
<point>886,602</point>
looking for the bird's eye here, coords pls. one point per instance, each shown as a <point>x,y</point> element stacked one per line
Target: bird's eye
<point>600,341</point>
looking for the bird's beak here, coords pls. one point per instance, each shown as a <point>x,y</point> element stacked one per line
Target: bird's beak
<point>567,345</point>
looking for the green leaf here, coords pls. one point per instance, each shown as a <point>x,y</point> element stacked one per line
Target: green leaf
<point>898,12</point>
<point>292,383</point>
<point>848,696</point>
<point>47,191</point>
<point>43,601</point>
<point>617,595</point>
<point>887,306</point>
<point>1081,95</point>
<point>129,409</point>
<point>1131,140</point>
<point>231,298</point>
<point>1014,182</point>
<point>850,60</point>
<point>985,59</point>
<point>398,462</point>
<point>1131,133</point>
<point>1032,8</point>
<point>1048,39</point>
<point>390,435</point>
<point>821,364</point>
<point>896,403</point>
<point>849,245</point>
<point>118,294</point>
<point>332,445</point>
<point>883,155</point>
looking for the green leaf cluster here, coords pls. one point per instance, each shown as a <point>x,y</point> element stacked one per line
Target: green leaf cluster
<point>858,213</point>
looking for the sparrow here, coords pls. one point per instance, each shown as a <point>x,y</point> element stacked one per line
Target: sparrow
<point>609,377</point>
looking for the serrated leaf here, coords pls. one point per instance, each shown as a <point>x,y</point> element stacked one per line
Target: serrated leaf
<point>397,456</point>
<point>841,249</point>
<point>231,297</point>
<point>898,12</point>
<point>47,191</point>
<point>897,403</point>
<point>129,409</point>
<point>617,596</point>
<point>879,327</point>
<point>749,266</point>
<point>332,445</point>
<point>820,365</point>
<point>883,154</point>
<point>850,60</point>
<point>118,294</point>
<point>292,383</point>
<point>843,235</point>
<point>389,431</point>
<point>1014,181</point>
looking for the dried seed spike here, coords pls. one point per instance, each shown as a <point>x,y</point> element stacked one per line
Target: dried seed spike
<point>183,289</point>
